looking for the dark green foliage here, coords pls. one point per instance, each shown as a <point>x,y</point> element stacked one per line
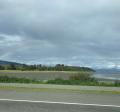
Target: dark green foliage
<point>71,82</point>
<point>117,83</point>
<point>2,67</point>
<point>10,67</point>
<point>58,67</point>
<point>6,79</point>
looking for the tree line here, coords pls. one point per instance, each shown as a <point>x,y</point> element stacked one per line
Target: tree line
<point>40,67</point>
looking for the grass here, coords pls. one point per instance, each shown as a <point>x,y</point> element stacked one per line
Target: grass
<point>84,83</point>
<point>6,79</point>
<point>25,89</point>
<point>39,75</point>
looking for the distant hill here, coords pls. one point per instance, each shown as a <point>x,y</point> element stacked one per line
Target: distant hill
<point>108,71</point>
<point>8,63</point>
<point>40,67</point>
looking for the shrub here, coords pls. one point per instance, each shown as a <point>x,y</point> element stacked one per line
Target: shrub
<point>82,77</point>
<point>117,83</point>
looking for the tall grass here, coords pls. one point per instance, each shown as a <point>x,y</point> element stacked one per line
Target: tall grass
<point>6,79</point>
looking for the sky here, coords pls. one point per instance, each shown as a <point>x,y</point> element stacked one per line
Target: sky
<point>72,32</point>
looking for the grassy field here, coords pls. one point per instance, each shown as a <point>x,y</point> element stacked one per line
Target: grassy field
<point>52,77</point>
<point>59,89</point>
<point>39,75</point>
<point>6,79</point>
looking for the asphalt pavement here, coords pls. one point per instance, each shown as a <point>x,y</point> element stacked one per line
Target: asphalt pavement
<point>53,95</point>
<point>10,106</point>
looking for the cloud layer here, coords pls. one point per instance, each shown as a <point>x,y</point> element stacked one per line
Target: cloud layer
<point>79,32</point>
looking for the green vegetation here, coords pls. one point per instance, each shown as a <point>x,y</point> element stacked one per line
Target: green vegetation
<point>58,67</point>
<point>80,78</point>
<point>83,81</point>
<point>57,90</point>
<point>6,79</point>
<point>72,82</point>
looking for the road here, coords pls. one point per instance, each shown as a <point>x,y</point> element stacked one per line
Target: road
<point>14,106</point>
<point>81,102</point>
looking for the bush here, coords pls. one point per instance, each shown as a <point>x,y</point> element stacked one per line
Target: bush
<point>82,77</point>
<point>6,79</point>
<point>117,83</point>
<point>72,82</point>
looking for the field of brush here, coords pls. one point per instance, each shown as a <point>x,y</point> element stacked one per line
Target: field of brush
<point>39,75</point>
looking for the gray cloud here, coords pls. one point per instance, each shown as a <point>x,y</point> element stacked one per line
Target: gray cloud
<point>79,32</point>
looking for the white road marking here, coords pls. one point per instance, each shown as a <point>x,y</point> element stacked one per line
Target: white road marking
<point>65,103</point>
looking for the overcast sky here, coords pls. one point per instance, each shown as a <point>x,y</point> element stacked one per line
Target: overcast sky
<point>73,32</point>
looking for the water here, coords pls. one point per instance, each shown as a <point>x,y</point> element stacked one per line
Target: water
<point>111,76</point>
